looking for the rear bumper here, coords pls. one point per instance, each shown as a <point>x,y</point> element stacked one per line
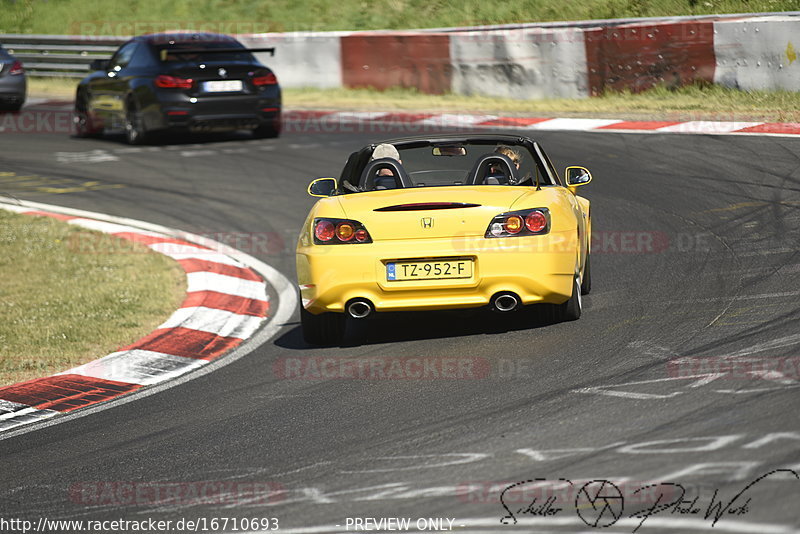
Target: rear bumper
<point>540,269</point>
<point>13,89</point>
<point>215,113</point>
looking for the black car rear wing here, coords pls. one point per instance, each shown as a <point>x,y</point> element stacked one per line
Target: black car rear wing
<point>188,51</point>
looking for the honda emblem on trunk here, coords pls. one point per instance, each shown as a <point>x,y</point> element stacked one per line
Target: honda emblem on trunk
<point>427,222</point>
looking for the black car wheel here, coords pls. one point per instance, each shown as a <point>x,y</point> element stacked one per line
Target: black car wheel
<point>134,126</point>
<point>85,126</point>
<point>324,329</point>
<point>13,108</point>
<point>269,130</point>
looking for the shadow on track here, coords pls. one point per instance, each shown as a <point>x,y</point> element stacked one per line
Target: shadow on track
<point>394,327</point>
<point>177,138</point>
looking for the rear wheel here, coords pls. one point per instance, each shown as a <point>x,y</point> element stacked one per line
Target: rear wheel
<point>135,132</point>
<point>571,309</point>
<point>268,130</point>
<point>13,108</point>
<point>586,280</point>
<point>323,329</point>
<point>85,125</point>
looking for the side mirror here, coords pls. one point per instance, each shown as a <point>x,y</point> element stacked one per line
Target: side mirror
<point>98,64</point>
<point>575,176</point>
<point>322,187</point>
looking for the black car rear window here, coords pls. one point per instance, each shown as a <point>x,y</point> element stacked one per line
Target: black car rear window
<point>201,50</point>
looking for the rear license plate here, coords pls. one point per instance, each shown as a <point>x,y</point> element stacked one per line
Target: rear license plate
<point>222,86</point>
<point>428,270</point>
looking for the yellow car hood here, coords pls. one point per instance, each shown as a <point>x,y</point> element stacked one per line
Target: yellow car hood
<point>438,212</point>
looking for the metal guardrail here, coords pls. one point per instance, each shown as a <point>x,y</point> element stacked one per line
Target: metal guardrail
<point>65,56</point>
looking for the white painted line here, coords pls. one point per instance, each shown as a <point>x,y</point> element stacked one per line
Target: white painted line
<point>358,115</point>
<point>707,127</point>
<point>10,406</point>
<point>200,254</point>
<point>137,366</point>
<point>193,153</point>
<point>205,281</point>
<point>572,124</point>
<point>109,228</point>
<point>460,120</point>
<point>23,417</point>
<point>22,411</point>
<point>92,156</point>
<point>220,322</point>
<point>16,209</point>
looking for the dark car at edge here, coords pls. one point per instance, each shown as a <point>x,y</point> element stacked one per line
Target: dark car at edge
<point>13,84</point>
<point>192,82</point>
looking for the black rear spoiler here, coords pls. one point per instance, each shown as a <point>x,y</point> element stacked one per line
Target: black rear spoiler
<point>186,51</point>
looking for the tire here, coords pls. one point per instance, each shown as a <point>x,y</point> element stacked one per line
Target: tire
<point>11,108</point>
<point>324,329</point>
<point>571,309</point>
<point>586,281</point>
<point>135,132</point>
<point>85,126</point>
<point>268,131</point>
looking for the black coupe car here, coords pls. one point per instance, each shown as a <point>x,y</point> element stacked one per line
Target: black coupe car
<point>179,82</point>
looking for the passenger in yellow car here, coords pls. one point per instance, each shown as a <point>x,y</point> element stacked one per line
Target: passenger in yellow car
<point>385,178</point>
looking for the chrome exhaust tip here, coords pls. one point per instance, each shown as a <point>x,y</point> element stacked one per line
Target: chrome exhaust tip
<point>359,309</point>
<point>505,302</point>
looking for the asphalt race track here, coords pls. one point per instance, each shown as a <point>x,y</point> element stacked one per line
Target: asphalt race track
<point>695,256</point>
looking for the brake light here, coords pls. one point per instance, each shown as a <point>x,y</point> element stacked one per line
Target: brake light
<point>16,69</point>
<point>324,230</point>
<point>535,221</point>
<point>173,82</point>
<point>268,79</point>
<point>339,232</point>
<point>520,223</point>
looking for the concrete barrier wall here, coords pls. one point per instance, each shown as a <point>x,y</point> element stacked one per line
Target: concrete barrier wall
<point>758,53</point>
<point>637,57</point>
<point>301,59</point>
<point>397,59</point>
<point>578,59</point>
<point>523,64</point>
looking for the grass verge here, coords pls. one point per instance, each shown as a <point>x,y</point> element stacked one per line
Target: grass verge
<point>71,295</point>
<point>123,17</point>
<point>696,102</point>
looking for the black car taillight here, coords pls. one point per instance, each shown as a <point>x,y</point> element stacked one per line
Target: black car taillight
<point>16,69</point>
<point>173,82</point>
<point>520,223</point>
<point>340,232</point>
<point>267,79</point>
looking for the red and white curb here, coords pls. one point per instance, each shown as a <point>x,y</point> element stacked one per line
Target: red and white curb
<point>301,121</point>
<point>226,303</point>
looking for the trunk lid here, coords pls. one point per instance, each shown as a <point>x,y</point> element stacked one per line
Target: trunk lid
<point>429,213</point>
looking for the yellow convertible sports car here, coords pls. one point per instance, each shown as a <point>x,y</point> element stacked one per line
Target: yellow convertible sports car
<point>443,223</point>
